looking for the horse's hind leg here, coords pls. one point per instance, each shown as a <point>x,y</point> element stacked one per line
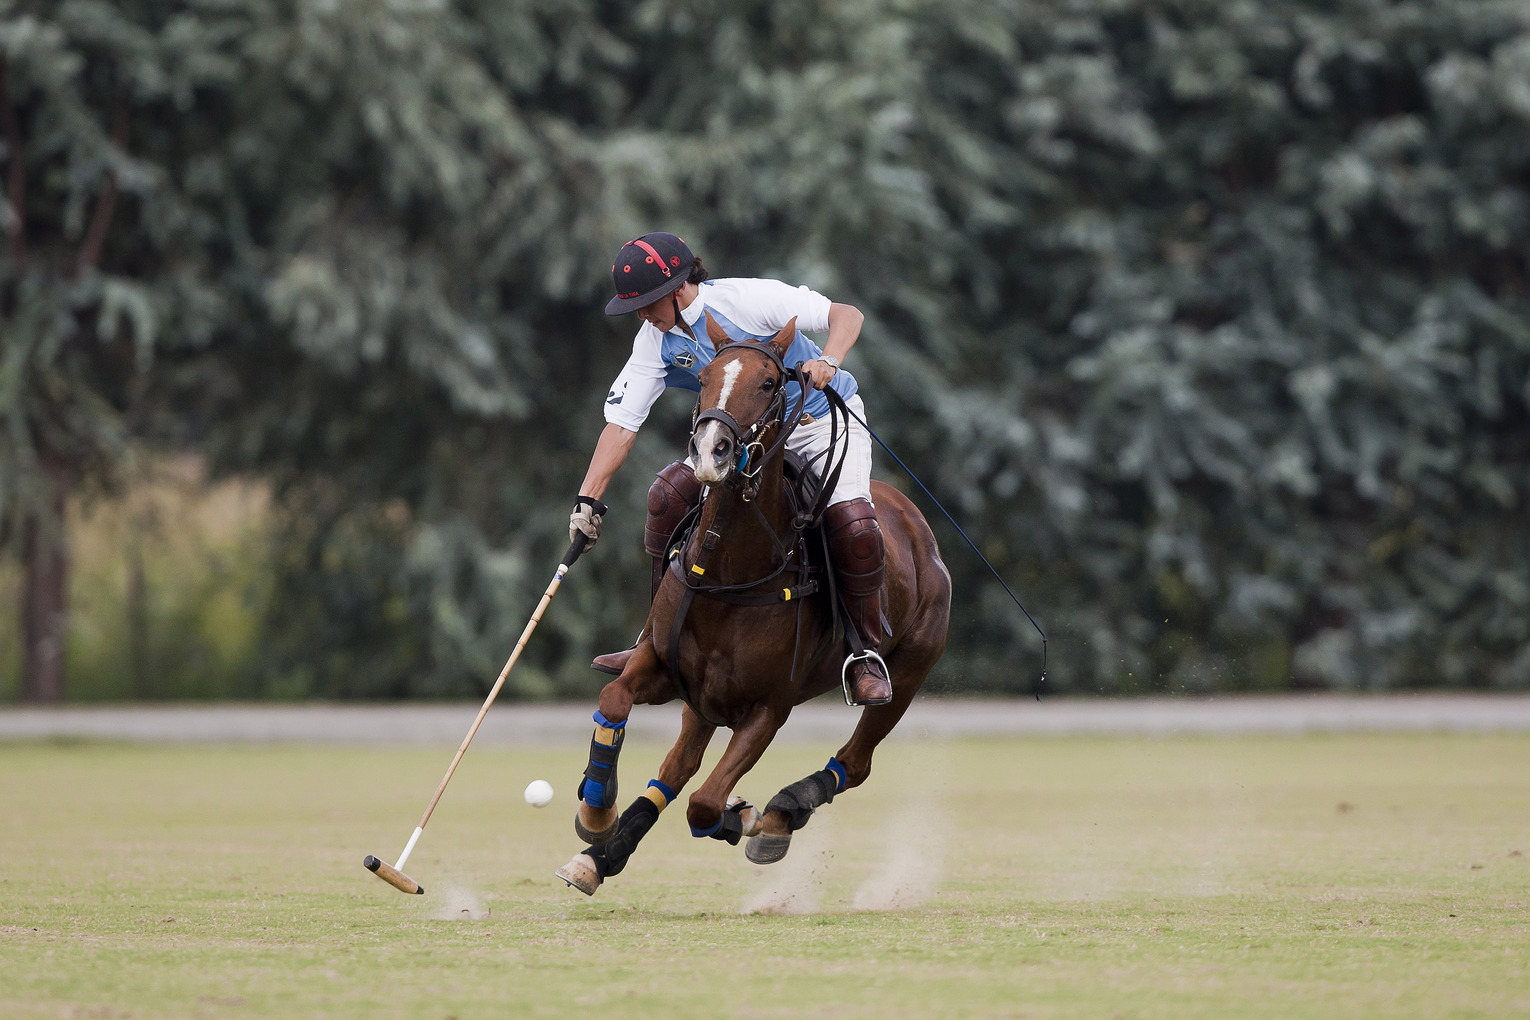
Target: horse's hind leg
<point>790,809</point>
<point>588,869</point>
<point>878,721</point>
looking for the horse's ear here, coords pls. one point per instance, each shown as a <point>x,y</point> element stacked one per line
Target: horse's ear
<point>715,333</point>
<point>783,339</point>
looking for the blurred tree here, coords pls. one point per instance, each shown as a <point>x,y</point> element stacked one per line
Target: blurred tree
<point>104,264</point>
<point>1209,318</point>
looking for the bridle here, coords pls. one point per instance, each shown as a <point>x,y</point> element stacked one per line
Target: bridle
<point>747,438</point>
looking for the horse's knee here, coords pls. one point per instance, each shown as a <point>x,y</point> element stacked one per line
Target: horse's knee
<point>703,812</point>
<point>616,700</point>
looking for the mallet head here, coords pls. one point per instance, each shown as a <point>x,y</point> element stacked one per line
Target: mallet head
<point>394,877</point>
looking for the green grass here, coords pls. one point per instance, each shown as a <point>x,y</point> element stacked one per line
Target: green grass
<point>1071,878</point>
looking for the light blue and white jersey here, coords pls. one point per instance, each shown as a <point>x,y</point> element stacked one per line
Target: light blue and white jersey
<point>752,310</point>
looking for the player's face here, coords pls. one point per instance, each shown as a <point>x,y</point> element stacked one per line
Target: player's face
<point>660,315</point>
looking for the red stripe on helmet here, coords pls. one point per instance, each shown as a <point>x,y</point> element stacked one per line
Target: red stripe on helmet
<point>656,256</point>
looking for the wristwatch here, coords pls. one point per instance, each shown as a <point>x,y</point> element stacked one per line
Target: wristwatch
<point>832,362</point>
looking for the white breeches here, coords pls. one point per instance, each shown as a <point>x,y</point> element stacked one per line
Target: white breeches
<point>813,439</point>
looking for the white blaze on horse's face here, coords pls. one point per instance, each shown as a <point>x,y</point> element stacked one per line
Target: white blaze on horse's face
<point>730,376</point>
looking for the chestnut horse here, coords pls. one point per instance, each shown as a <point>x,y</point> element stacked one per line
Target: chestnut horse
<point>745,666</point>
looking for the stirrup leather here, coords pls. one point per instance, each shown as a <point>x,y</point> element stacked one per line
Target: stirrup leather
<point>850,660</point>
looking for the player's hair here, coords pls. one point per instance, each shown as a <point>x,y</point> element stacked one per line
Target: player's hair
<point>698,272</point>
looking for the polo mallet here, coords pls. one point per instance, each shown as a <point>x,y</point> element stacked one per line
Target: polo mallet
<point>394,875</point>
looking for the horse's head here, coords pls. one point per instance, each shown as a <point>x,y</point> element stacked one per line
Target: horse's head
<point>740,399</point>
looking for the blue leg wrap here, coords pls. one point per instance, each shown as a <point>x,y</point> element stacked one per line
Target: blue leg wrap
<point>598,788</point>
<point>703,833</point>
<point>839,773</point>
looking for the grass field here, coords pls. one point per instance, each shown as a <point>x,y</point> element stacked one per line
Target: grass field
<point>1313,877</point>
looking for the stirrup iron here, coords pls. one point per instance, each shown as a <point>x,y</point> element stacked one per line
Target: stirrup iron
<point>850,660</point>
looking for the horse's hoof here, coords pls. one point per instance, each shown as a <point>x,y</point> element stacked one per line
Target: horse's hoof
<point>590,836</point>
<point>767,849</point>
<point>751,819</point>
<point>581,874</point>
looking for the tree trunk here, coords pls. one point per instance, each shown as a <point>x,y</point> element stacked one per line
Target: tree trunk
<point>138,615</point>
<point>44,604</point>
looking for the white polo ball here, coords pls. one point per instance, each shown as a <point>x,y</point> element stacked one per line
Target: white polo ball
<point>539,793</point>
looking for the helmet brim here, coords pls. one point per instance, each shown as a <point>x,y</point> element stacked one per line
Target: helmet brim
<point>621,305</point>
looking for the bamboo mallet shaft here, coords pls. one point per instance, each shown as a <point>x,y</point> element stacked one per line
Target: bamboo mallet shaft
<point>531,625</point>
<point>394,875</point>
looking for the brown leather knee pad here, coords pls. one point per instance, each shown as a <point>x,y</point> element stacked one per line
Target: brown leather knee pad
<point>670,498</point>
<point>860,555</point>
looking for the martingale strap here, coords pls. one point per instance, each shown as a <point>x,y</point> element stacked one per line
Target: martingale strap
<point>795,593</point>
<point>672,654</point>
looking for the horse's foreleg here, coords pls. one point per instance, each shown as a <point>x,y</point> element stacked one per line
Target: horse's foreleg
<point>596,821</point>
<point>708,812</point>
<point>684,759</point>
<point>587,870</point>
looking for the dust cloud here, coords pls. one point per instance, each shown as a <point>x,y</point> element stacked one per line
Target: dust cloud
<point>454,903</point>
<point>908,854</point>
<point>795,885</point>
<point>914,854</point>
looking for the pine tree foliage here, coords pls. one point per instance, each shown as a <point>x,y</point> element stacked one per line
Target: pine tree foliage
<point>1209,320</point>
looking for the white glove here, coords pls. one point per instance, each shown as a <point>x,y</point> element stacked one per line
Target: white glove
<point>586,520</point>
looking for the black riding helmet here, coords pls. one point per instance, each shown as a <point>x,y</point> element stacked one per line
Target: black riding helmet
<point>647,269</point>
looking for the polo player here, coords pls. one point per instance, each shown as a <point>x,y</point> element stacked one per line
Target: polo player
<point>657,277</point>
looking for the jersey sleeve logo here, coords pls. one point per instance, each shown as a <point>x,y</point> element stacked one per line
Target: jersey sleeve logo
<point>616,398</point>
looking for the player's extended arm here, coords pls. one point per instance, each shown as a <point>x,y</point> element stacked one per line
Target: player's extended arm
<point>610,453</point>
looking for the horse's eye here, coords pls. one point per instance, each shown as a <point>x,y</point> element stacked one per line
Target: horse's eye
<point>769,385</point>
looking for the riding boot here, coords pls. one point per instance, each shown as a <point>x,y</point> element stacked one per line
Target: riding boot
<point>670,498</point>
<point>855,542</point>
